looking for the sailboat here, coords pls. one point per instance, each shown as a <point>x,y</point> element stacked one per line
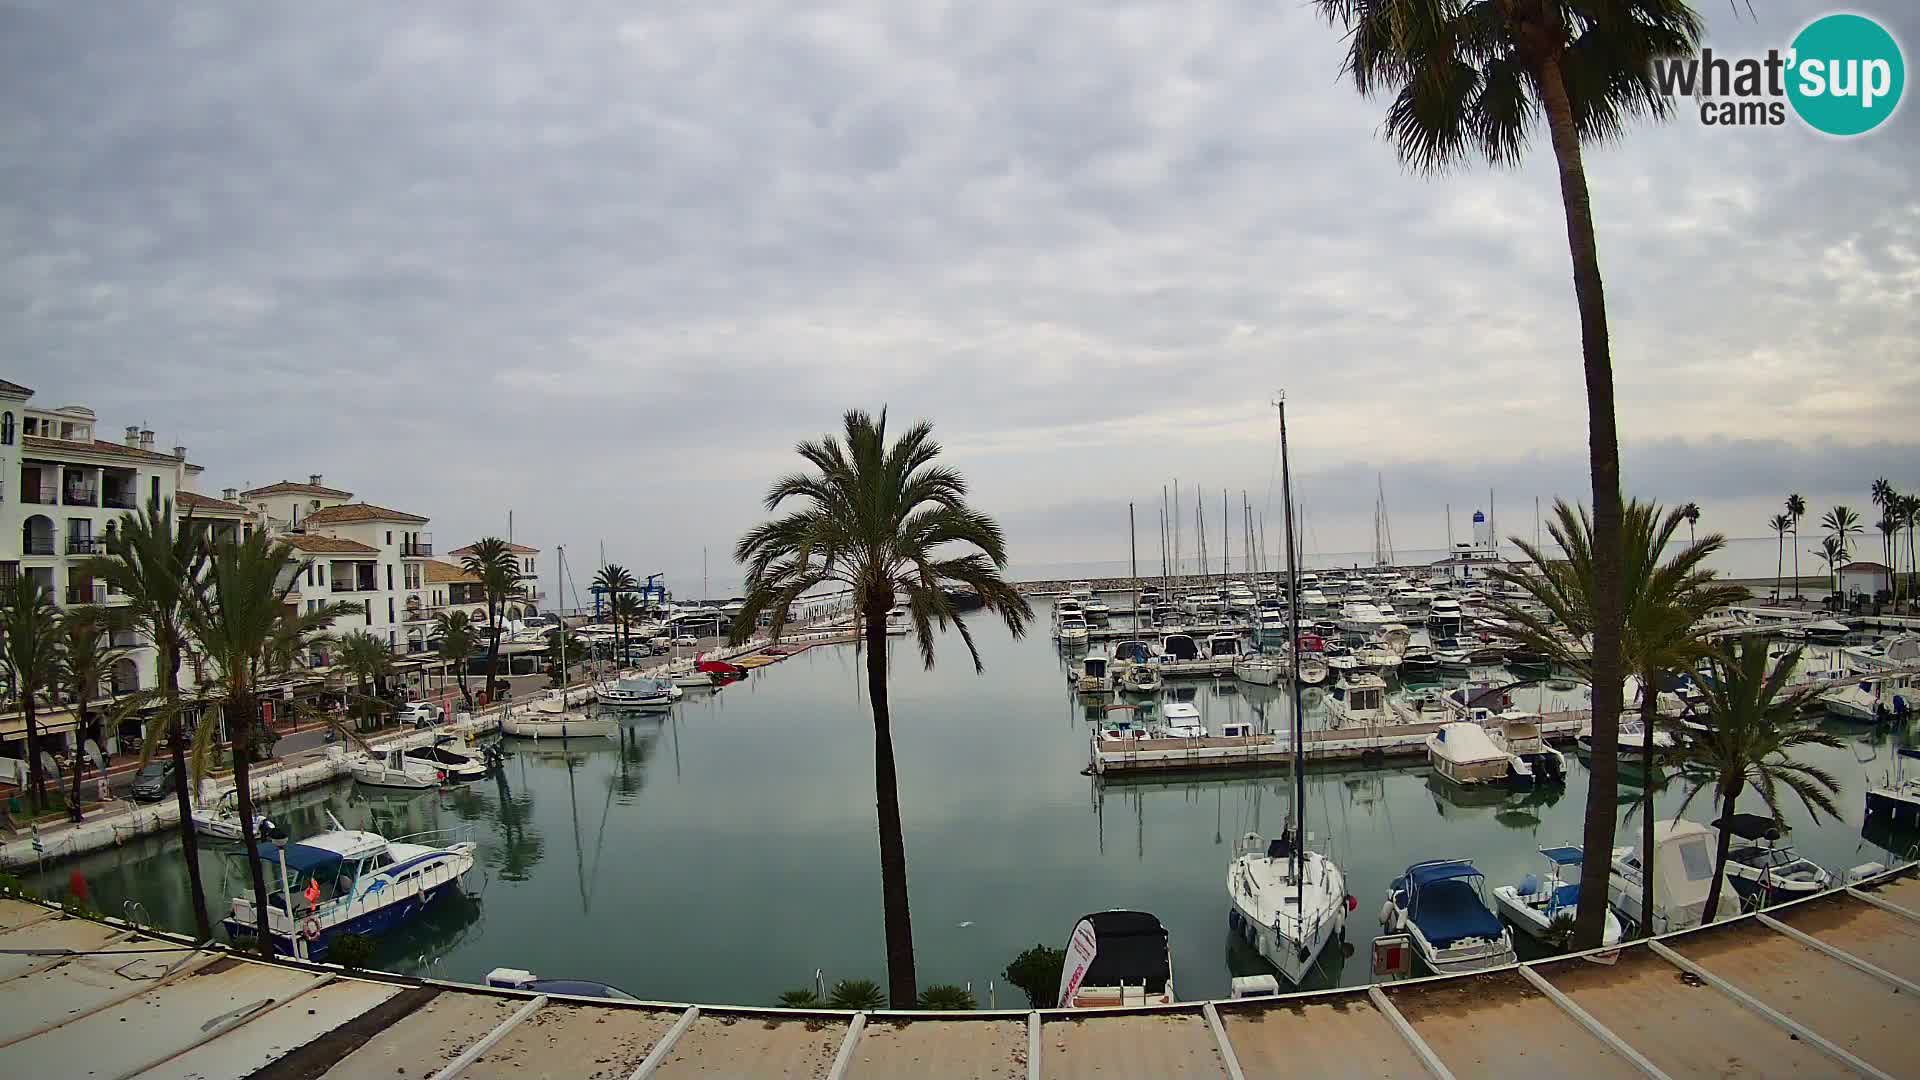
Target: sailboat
<point>1289,903</point>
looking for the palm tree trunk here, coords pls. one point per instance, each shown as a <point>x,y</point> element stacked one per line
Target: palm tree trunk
<point>902,988</point>
<point>1796,560</point>
<point>1649,708</point>
<point>493,645</point>
<point>1728,799</point>
<point>1779,560</point>
<point>36,780</point>
<point>240,706</point>
<point>79,761</point>
<point>1603,450</point>
<point>189,840</point>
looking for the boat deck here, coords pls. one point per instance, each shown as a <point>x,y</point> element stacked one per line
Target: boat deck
<point>1822,987</point>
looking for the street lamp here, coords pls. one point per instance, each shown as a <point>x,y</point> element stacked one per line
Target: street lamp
<point>279,837</point>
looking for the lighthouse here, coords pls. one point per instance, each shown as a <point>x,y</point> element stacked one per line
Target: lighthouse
<point>1482,532</point>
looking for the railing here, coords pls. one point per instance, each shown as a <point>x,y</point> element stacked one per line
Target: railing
<point>120,500</point>
<point>94,593</point>
<point>38,546</point>
<point>83,545</point>
<point>82,497</point>
<point>416,548</point>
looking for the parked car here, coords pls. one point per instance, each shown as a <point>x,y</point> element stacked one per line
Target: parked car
<point>153,782</point>
<point>420,713</point>
<point>686,641</point>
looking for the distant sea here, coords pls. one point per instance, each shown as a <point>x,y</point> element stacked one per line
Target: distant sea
<point>1744,557</point>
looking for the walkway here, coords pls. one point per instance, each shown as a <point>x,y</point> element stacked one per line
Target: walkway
<point>1824,987</point>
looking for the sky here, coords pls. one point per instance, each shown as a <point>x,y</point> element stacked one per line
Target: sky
<point>603,264</point>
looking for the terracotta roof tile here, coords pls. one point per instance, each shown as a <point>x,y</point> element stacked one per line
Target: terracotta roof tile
<point>288,487</point>
<point>14,388</point>
<point>353,512</point>
<point>327,545</point>
<point>517,549</point>
<point>111,449</point>
<point>444,573</point>
<point>198,502</point>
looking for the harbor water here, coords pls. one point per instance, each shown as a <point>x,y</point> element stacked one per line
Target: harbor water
<point>725,851</point>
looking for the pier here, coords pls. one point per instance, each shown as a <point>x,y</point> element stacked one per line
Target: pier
<point>1112,758</point>
<point>1825,986</point>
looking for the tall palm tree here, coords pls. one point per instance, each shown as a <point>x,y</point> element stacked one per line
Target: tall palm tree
<point>1889,526</point>
<point>498,568</point>
<point>1887,500</point>
<point>1691,512</point>
<point>30,656</point>
<point>614,581</point>
<point>1796,509</point>
<point>1753,725</point>
<point>1664,601</point>
<point>86,655</point>
<point>455,630</point>
<point>1779,523</point>
<point>892,527</point>
<point>246,624</point>
<point>1831,556</point>
<point>627,609</point>
<point>1473,80</point>
<point>157,563</point>
<point>1841,524</point>
<point>367,659</point>
<point>1910,517</point>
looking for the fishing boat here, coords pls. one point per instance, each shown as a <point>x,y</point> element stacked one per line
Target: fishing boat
<point>637,692</point>
<point>1359,700</point>
<point>1682,875</point>
<point>1093,675</point>
<point>569,725</point>
<point>1539,901</point>
<point>1439,904</point>
<point>1763,866</point>
<point>350,882</point>
<point>394,769</point>
<point>1117,959</point>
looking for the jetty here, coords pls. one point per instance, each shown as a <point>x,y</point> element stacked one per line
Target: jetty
<point>1118,757</point>
<point>1825,986</point>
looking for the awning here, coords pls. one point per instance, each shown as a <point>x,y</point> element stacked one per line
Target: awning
<point>1563,856</point>
<point>1442,870</point>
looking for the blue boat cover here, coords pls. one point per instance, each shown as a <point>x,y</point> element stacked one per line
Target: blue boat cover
<point>1563,856</point>
<point>1449,911</point>
<point>1566,896</point>
<point>302,858</point>
<point>1422,874</point>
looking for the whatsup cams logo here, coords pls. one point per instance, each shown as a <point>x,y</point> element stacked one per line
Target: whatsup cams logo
<point>1843,75</point>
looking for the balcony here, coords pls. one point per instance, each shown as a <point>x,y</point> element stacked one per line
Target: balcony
<point>120,500</point>
<point>82,496</point>
<point>85,545</point>
<point>39,496</point>
<point>37,545</point>
<point>420,547</point>
<point>90,593</point>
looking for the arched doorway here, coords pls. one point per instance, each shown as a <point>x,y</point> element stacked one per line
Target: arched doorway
<point>36,535</point>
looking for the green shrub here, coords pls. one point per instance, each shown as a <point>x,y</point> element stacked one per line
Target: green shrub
<point>947,997</point>
<point>1037,973</point>
<point>803,998</point>
<point>857,994</point>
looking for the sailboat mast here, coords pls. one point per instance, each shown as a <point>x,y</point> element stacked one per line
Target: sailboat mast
<point>1226,541</point>
<point>1175,515</point>
<point>1133,553</point>
<point>1293,633</point>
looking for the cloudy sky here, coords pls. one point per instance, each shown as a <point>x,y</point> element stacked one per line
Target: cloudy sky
<point>603,263</point>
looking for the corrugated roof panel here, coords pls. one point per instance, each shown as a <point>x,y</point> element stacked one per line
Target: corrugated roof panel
<point>1097,1045</point>
<point>582,1042</point>
<point>425,1041</point>
<point>85,983</point>
<point>980,1049</point>
<point>1329,1038</point>
<point>1498,1025</point>
<point>253,1045</point>
<point>1888,941</point>
<point>756,1046</point>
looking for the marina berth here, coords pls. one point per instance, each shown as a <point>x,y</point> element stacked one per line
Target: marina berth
<point>1439,904</point>
<point>1542,905</point>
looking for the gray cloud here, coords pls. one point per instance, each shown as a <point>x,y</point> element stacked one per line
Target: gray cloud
<point>605,268</point>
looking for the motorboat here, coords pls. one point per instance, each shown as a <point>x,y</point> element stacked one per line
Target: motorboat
<point>1175,647</point>
<point>1896,799</point>
<point>1359,700</point>
<point>637,692</point>
<point>1180,720</point>
<point>1532,761</point>
<point>1765,868</point>
<point>1118,959</point>
<point>1359,615</point>
<point>1259,670</point>
<point>570,725</point>
<point>1682,875</point>
<point>1288,905</point>
<point>1068,605</point>
<point>221,821</point>
<point>1136,677</point>
<point>1080,590</point>
<point>1543,906</point>
<point>1871,700</point>
<point>527,981</point>
<point>1440,905</point>
<point>1633,738</point>
<point>1465,754</point>
<point>557,702</point>
<point>1418,662</point>
<point>1093,676</point>
<point>1203,604</point>
<point>394,769</point>
<point>349,882</point>
<point>1072,630</point>
<point>1095,609</point>
<point>460,766</point>
<point>1223,646</point>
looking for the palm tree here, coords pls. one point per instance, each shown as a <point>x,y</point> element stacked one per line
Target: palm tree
<point>1833,556</point>
<point>1691,512</point>
<point>157,563</point>
<point>1796,509</point>
<point>455,630</point>
<point>1887,500</point>
<point>246,625</point>
<point>1779,523</point>
<point>627,609</point>
<point>1664,602</point>
<point>1889,526</point>
<point>30,656</point>
<point>498,568</point>
<point>1910,517</point>
<point>1753,725</point>
<point>614,581</point>
<point>892,527</point>
<point>86,656</point>
<point>1841,524</point>
<point>1472,81</point>
<point>366,658</point>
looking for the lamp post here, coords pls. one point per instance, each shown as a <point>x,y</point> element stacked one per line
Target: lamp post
<point>279,837</point>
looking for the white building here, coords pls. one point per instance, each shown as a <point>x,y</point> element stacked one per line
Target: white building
<point>368,556</point>
<point>1865,579</point>
<point>520,606</point>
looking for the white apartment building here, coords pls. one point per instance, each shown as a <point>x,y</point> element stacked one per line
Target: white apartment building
<point>465,590</point>
<point>368,556</point>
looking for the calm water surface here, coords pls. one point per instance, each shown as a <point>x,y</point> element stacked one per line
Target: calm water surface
<point>724,852</point>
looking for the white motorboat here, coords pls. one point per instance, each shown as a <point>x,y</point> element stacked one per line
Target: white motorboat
<point>1067,605</point>
<point>1682,874</point>
<point>459,765</point>
<point>1223,646</point>
<point>1359,699</point>
<point>561,701</point>
<point>1538,902</point>
<point>1633,739</point>
<point>686,675</point>
<point>347,881</point>
<point>1289,906</point>
<point>1096,609</point>
<point>637,692</point>
<point>570,725</point>
<point>221,821</point>
<point>1180,720</point>
<point>1260,670</point>
<point>1080,590</point>
<point>1896,799</point>
<point>1872,699</point>
<point>1359,615</point>
<point>1764,867</point>
<point>1118,959</point>
<point>1175,647</point>
<point>394,769</point>
<point>1094,675</point>
<point>1531,760</point>
<point>1465,754</point>
<point>1440,906</point>
<point>1071,630</point>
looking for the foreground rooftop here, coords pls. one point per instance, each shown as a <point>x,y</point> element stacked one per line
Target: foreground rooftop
<point>1828,986</point>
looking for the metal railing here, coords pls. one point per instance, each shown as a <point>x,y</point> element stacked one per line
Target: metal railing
<point>78,496</point>
<point>94,593</point>
<point>37,546</point>
<point>416,548</point>
<point>84,545</point>
<point>120,500</point>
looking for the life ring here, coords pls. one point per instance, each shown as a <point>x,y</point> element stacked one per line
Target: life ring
<point>310,929</point>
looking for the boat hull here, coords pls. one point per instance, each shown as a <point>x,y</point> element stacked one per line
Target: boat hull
<point>371,924</point>
<point>583,727</point>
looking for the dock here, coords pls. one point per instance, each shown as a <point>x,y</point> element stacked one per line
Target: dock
<point>1825,986</point>
<point>1116,758</point>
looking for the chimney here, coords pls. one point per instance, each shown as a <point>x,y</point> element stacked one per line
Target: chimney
<point>180,453</point>
<point>146,438</point>
<point>230,494</point>
<point>133,435</point>
<point>314,479</point>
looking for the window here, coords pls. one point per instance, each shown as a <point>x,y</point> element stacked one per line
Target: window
<point>383,860</point>
<point>366,609</point>
<point>323,573</point>
<point>309,573</point>
<point>389,606</point>
<point>389,537</point>
<point>389,567</point>
<point>154,488</point>
<point>6,429</point>
<point>1696,859</point>
<point>33,426</point>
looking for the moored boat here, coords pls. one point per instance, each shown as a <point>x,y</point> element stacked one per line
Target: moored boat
<point>1438,904</point>
<point>1118,958</point>
<point>1539,902</point>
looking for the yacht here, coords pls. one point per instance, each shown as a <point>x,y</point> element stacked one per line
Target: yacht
<point>1288,905</point>
<point>1313,602</point>
<point>1095,609</point>
<point>1359,615</point>
<point>346,881</point>
<point>1118,959</point>
<point>1633,739</point>
<point>1359,699</point>
<point>1683,872</point>
<point>1068,605</point>
<point>1092,676</point>
<point>1440,906</point>
<point>1465,754</point>
<point>1538,902</point>
<point>1864,701</point>
<point>1203,604</point>
<point>1223,646</point>
<point>637,692</point>
<point>1175,647</point>
<point>1418,662</point>
<point>1180,720</point>
<point>1071,630</point>
<point>1444,617</point>
<point>1763,867</point>
<point>1080,590</point>
<point>394,769</point>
